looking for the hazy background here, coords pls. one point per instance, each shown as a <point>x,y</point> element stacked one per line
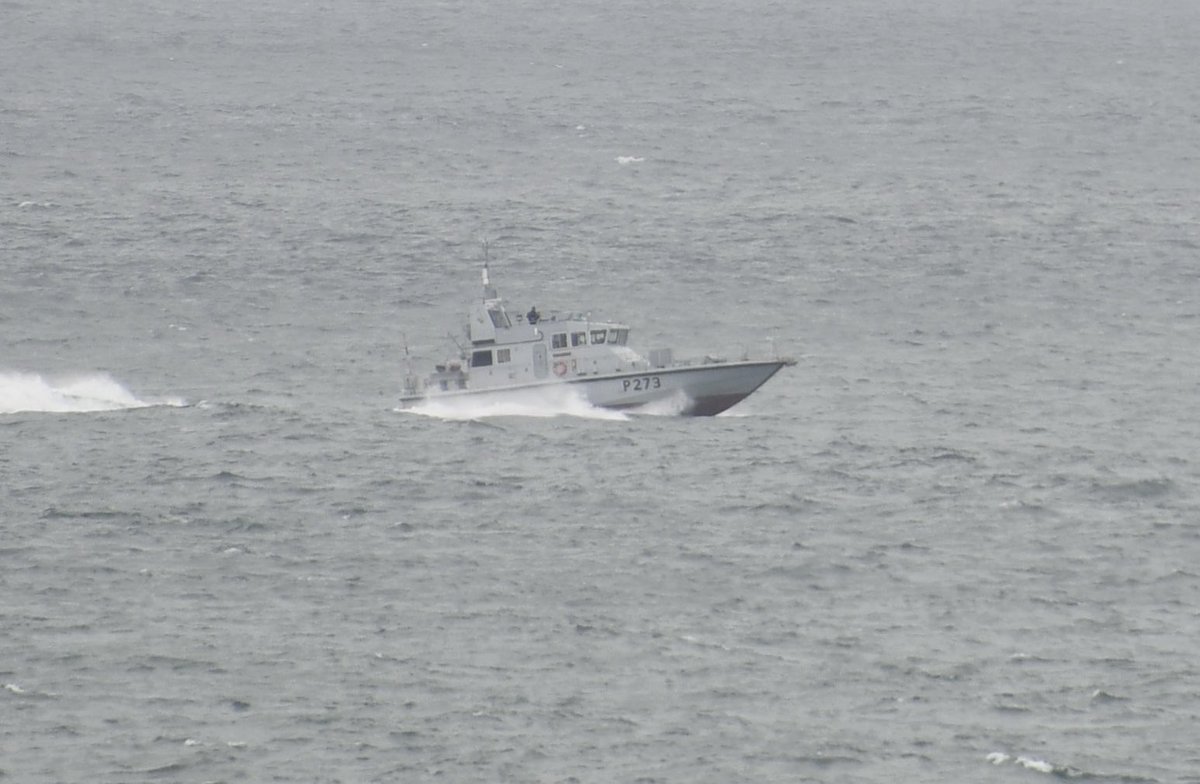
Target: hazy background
<point>956,542</point>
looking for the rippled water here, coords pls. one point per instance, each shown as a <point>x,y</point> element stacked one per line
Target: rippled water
<point>956,542</point>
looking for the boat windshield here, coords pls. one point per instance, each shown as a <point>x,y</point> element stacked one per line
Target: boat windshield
<point>597,336</point>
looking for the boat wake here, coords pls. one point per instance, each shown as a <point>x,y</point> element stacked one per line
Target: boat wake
<point>547,401</point>
<point>30,392</point>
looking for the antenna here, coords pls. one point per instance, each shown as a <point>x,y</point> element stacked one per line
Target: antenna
<point>411,383</point>
<point>488,291</point>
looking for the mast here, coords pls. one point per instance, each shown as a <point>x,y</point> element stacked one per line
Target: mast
<point>489,292</point>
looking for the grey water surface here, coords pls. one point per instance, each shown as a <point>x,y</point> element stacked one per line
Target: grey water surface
<point>958,541</point>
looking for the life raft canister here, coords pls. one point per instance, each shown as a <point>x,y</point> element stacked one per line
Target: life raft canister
<point>560,368</point>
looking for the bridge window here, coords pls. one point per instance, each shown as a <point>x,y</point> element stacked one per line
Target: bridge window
<point>503,355</point>
<point>618,336</point>
<point>597,336</point>
<point>559,340</point>
<point>578,338</point>
<point>499,319</point>
<point>481,358</point>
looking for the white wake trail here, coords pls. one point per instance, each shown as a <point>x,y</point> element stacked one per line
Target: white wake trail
<point>31,392</point>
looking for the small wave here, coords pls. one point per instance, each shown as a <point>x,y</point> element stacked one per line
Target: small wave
<point>1135,490</point>
<point>30,392</point>
<point>1041,766</point>
<point>54,513</point>
<point>1062,771</point>
<point>27,694</point>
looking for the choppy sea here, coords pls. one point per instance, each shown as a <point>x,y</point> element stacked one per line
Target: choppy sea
<point>958,541</point>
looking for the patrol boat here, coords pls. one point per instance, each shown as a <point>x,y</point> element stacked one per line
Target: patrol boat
<point>511,355</point>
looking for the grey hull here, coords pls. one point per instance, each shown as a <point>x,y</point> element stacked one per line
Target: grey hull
<point>688,390</point>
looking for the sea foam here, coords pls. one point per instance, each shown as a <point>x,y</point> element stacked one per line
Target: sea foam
<point>547,401</point>
<point>22,392</point>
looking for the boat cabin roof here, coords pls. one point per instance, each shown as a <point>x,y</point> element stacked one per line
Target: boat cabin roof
<point>490,322</point>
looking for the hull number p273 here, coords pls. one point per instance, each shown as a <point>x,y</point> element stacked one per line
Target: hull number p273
<point>641,384</point>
